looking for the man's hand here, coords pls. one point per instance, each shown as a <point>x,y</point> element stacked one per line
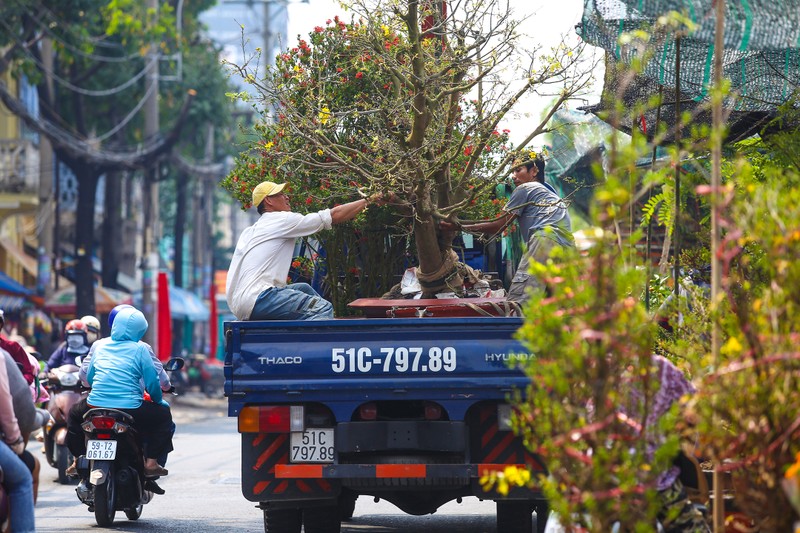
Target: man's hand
<point>17,446</point>
<point>380,199</point>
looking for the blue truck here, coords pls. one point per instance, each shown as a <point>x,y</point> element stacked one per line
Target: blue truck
<point>410,410</point>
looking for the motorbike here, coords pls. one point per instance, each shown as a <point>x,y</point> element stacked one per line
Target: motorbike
<point>114,463</point>
<point>65,390</point>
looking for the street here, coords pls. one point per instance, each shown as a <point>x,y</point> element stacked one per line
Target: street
<point>203,492</point>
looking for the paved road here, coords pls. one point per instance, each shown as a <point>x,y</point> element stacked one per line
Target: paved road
<point>204,495</point>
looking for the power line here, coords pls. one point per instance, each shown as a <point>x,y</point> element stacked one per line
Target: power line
<point>65,83</point>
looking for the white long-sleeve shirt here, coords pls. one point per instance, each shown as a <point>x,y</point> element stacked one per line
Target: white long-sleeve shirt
<point>263,255</point>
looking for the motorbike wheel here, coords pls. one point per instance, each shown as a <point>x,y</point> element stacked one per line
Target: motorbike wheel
<point>322,520</point>
<point>105,501</point>
<point>49,452</point>
<point>282,520</point>
<point>63,460</point>
<point>135,513</point>
<point>514,516</point>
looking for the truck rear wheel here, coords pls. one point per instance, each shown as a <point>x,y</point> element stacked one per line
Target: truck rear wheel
<point>514,516</point>
<point>282,520</point>
<point>347,504</point>
<point>322,520</point>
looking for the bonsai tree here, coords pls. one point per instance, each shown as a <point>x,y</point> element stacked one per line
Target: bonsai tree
<point>407,98</point>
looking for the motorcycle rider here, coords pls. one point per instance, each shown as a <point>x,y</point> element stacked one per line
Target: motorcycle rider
<point>92,328</point>
<point>17,352</point>
<point>116,373</point>
<point>163,377</point>
<point>17,477</point>
<point>75,344</point>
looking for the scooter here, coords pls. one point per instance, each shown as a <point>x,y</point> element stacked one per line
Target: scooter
<point>114,464</point>
<point>65,391</point>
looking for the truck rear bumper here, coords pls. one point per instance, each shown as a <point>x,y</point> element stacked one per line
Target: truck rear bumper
<point>379,471</point>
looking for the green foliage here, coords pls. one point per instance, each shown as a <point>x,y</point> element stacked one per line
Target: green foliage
<point>748,405</point>
<point>588,411</point>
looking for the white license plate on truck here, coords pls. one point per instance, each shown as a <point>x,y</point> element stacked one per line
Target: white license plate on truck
<point>101,450</point>
<point>312,446</point>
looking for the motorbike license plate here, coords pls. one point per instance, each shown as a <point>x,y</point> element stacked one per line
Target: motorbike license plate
<point>101,450</point>
<point>312,446</point>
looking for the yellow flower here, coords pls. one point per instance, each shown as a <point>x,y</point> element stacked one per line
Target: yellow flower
<point>385,29</point>
<point>324,115</point>
<point>319,151</point>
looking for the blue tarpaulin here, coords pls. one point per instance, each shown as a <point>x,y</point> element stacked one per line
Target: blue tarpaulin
<point>185,304</point>
<point>9,285</point>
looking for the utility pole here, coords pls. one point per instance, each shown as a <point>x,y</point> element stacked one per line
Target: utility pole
<point>149,262</point>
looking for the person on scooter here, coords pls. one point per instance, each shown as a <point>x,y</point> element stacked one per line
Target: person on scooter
<point>17,477</point>
<point>75,344</point>
<point>163,377</point>
<point>17,352</point>
<point>116,373</point>
<point>92,329</point>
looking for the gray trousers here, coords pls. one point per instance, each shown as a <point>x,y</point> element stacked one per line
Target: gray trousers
<point>540,244</point>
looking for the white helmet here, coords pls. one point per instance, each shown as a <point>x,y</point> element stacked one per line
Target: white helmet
<point>92,328</point>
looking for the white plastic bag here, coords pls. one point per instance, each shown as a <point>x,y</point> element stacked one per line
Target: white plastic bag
<point>410,284</point>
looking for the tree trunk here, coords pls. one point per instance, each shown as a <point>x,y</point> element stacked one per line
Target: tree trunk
<point>177,268</point>
<point>84,238</point>
<point>112,229</point>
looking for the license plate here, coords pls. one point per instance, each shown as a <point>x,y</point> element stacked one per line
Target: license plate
<point>101,450</point>
<point>312,446</point>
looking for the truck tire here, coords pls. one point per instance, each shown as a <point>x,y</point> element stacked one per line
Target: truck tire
<point>321,520</point>
<point>514,516</point>
<point>347,505</point>
<point>282,520</point>
<point>542,512</point>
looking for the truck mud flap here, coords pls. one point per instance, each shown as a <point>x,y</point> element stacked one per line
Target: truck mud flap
<point>262,454</point>
<point>498,449</point>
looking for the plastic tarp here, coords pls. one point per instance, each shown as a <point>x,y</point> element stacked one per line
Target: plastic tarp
<point>185,304</point>
<point>9,285</point>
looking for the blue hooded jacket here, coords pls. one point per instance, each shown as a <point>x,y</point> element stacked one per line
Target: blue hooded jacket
<point>120,366</point>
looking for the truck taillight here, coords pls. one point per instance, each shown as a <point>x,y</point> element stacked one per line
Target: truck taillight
<point>272,419</point>
<point>433,411</point>
<point>368,411</point>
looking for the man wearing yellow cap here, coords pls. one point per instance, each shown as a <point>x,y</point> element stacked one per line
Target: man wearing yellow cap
<point>543,220</point>
<point>256,287</point>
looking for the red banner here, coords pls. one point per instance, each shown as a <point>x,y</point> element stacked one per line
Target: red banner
<point>164,319</point>
<point>213,335</point>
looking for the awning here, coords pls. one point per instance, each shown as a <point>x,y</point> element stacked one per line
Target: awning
<point>11,303</point>
<point>9,285</point>
<point>185,304</point>
<point>63,301</point>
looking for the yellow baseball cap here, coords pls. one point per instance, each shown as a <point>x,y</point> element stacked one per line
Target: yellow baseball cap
<point>264,189</point>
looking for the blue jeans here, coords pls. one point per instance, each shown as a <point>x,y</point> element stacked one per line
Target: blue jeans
<point>18,482</point>
<point>297,301</point>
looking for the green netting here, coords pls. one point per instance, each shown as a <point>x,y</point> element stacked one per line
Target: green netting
<point>749,24</point>
<point>761,57</point>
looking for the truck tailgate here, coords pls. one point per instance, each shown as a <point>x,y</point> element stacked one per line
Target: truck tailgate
<point>354,360</point>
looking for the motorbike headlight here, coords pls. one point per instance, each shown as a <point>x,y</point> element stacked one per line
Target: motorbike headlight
<point>69,380</point>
